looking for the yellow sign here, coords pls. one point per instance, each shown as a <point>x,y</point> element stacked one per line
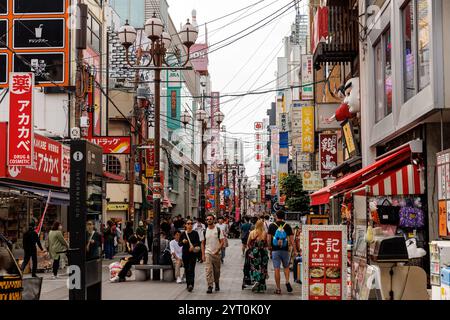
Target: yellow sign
<point>281,176</point>
<point>117,207</point>
<point>348,134</point>
<point>308,129</point>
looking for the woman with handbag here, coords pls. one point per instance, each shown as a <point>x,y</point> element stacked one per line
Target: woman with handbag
<point>190,241</point>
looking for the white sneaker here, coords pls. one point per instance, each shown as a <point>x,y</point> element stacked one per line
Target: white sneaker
<point>179,280</point>
<point>54,277</point>
<point>115,279</point>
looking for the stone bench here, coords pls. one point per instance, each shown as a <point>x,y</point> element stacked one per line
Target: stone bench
<point>144,272</point>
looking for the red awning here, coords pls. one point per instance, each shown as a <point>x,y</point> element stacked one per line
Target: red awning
<point>113,176</point>
<point>323,195</point>
<point>408,180</point>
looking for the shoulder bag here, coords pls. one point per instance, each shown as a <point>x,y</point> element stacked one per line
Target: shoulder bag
<point>196,248</point>
<point>388,214</point>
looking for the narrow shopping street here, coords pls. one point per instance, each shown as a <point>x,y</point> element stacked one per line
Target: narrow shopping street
<point>231,282</point>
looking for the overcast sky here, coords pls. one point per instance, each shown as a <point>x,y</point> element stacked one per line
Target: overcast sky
<point>245,65</point>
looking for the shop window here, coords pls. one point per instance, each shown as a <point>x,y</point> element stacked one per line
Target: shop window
<point>383,76</point>
<point>94,33</point>
<point>173,178</point>
<point>416,47</point>
<point>113,164</point>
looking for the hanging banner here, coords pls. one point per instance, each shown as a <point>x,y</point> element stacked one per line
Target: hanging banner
<point>150,160</point>
<point>21,129</point>
<point>324,262</point>
<point>307,92</point>
<point>327,154</point>
<point>263,182</point>
<point>443,188</point>
<point>65,164</point>
<point>308,129</point>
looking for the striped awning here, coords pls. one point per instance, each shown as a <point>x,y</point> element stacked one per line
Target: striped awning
<point>408,180</point>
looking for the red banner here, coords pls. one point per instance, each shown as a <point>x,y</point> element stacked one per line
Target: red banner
<point>327,153</point>
<point>263,183</point>
<point>325,269</point>
<point>113,145</point>
<point>150,160</point>
<point>21,131</point>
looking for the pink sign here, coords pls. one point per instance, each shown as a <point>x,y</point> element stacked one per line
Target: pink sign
<point>199,57</point>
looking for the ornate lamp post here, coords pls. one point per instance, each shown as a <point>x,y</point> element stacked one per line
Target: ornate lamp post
<point>160,43</point>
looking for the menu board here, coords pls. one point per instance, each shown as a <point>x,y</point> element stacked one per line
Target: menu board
<point>324,262</point>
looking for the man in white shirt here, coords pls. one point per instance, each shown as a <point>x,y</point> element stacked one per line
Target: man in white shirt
<point>224,228</point>
<point>211,247</point>
<point>177,255</point>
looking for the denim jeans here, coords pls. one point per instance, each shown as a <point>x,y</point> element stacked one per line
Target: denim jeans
<point>109,250</point>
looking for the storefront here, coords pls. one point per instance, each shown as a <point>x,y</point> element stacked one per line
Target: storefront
<point>384,201</point>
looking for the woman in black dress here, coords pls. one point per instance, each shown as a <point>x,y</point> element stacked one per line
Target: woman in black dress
<point>190,242</point>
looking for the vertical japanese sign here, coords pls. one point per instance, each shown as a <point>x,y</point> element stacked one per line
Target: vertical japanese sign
<point>443,172</point>
<point>327,153</point>
<point>308,129</point>
<point>324,262</point>
<point>150,160</point>
<point>65,166</point>
<point>173,108</point>
<point>259,147</point>
<point>21,129</point>
<point>215,132</point>
<point>350,146</point>
<point>307,92</point>
<point>263,182</point>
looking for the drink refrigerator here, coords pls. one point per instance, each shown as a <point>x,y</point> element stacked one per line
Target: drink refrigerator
<point>439,260</point>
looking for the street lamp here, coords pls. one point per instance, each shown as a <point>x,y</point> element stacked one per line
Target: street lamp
<point>160,43</point>
<point>186,118</point>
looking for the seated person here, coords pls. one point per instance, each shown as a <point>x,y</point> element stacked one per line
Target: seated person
<point>139,253</point>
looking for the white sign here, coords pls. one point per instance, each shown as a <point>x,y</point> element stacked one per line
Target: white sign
<point>307,92</point>
<point>284,122</point>
<point>312,180</point>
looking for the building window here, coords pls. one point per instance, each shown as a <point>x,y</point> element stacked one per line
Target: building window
<point>173,178</point>
<point>383,76</point>
<point>93,33</point>
<point>416,47</point>
<point>113,164</point>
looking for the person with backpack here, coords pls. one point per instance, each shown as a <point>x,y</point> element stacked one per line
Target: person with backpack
<point>280,236</point>
<point>224,228</point>
<point>211,253</point>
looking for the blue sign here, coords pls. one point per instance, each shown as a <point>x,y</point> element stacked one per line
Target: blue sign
<point>227,192</point>
<point>137,167</point>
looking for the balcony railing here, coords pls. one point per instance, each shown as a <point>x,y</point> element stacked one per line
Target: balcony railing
<point>337,40</point>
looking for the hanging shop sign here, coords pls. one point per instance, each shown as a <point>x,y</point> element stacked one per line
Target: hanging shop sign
<point>307,92</point>
<point>284,122</point>
<point>263,183</point>
<point>349,137</point>
<point>312,181</point>
<point>117,207</point>
<point>21,129</point>
<point>150,160</point>
<point>308,129</point>
<point>173,108</point>
<point>258,126</point>
<point>113,145</point>
<point>327,154</point>
<point>199,57</point>
<point>443,173</point>
<point>40,39</point>
<point>65,166</point>
<point>324,262</point>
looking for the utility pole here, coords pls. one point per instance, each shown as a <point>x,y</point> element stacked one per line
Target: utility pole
<point>80,40</point>
<point>134,149</point>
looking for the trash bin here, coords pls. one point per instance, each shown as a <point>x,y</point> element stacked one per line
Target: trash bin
<point>11,287</point>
